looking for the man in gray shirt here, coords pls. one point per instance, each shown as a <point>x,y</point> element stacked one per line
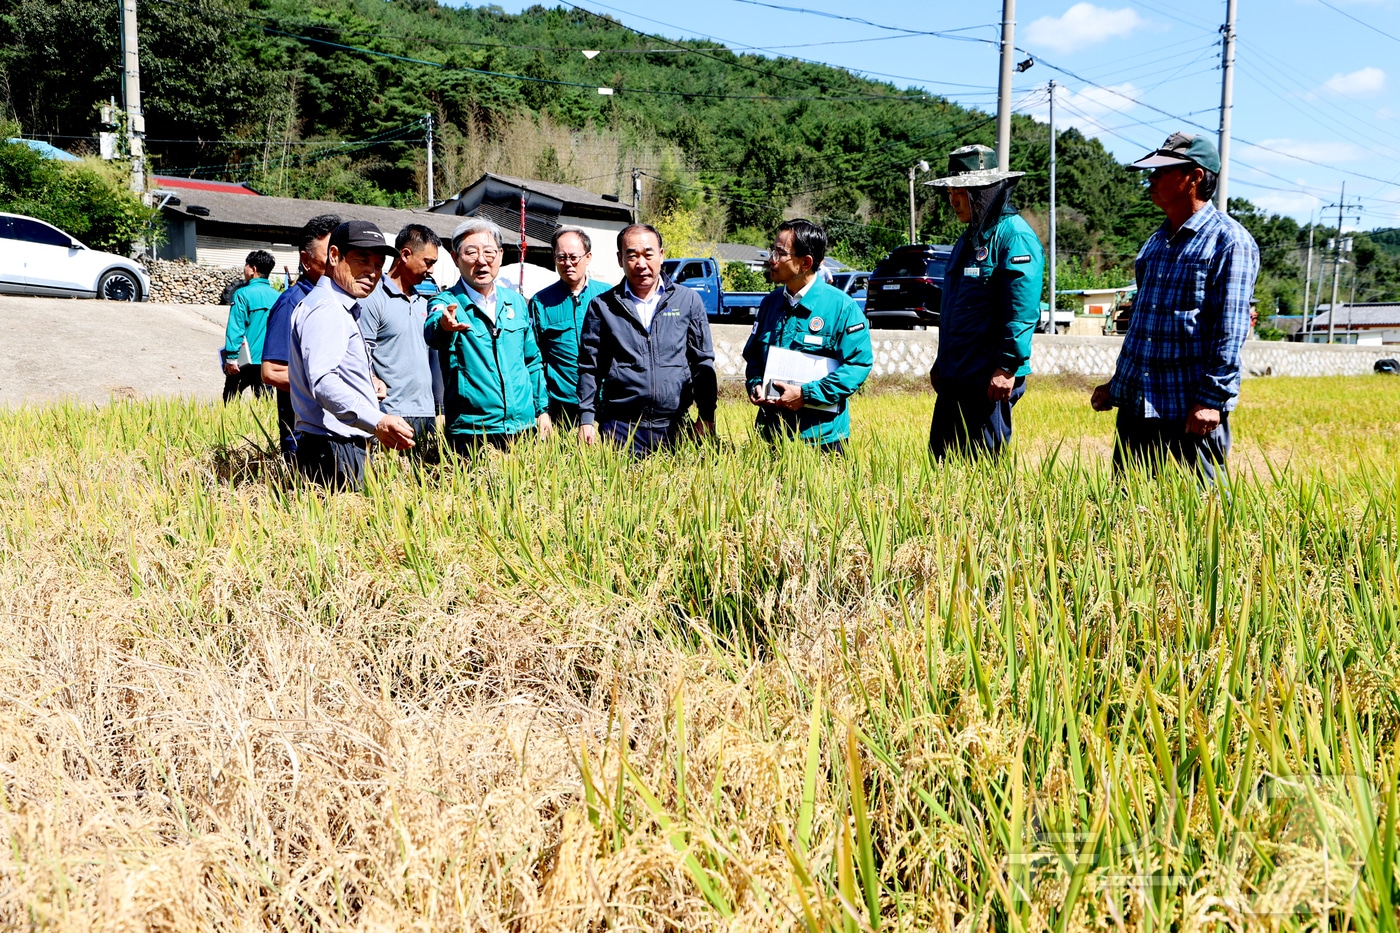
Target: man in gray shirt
<point>337,409</point>
<point>391,319</point>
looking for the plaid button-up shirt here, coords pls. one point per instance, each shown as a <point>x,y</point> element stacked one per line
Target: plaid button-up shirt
<point>1190,318</point>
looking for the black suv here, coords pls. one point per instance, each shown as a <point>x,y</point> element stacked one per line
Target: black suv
<point>906,288</point>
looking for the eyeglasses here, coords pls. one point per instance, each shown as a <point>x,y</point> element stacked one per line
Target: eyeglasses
<point>471,252</point>
<point>563,258</point>
<point>777,252</point>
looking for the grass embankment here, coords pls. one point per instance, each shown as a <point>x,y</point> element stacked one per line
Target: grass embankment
<point>724,690</point>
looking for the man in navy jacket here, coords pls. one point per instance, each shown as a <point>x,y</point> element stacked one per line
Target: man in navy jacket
<point>645,355</point>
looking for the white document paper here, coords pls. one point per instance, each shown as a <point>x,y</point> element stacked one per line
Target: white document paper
<point>796,368</point>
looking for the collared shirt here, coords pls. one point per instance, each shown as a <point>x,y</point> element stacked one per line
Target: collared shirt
<point>277,347</point>
<point>332,392</point>
<point>646,307</point>
<point>1190,318</point>
<point>795,300</point>
<point>557,316</point>
<point>487,305</point>
<point>392,322</point>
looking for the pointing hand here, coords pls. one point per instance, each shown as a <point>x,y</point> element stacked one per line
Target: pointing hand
<point>449,322</point>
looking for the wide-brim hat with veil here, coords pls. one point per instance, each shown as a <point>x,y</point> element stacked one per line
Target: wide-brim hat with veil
<point>972,167</point>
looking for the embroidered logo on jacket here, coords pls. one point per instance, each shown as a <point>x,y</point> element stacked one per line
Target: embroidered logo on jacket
<point>1019,259</point>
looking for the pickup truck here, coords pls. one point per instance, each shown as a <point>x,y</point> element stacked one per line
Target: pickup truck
<point>702,275</point>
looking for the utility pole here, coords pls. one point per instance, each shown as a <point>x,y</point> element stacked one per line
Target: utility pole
<point>1008,52</point>
<point>920,166</point>
<point>1342,208</point>
<point>131,98</point>
<point>1227,94</point>
<point>636,195</point>
<point>428,121</point>
<point>1307,274</point>
<point>1050,323</point>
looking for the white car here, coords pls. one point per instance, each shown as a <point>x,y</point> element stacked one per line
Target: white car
<point>39,259</point>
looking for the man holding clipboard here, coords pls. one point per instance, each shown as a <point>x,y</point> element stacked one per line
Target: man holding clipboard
<point>810,349</point>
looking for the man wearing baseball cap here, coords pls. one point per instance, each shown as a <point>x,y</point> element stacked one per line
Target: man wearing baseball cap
<point>991,303</point>
<point>333,392</point>
<point>1178,373</point>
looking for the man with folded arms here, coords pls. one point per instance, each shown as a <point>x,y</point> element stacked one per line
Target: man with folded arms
<point>333,393</point>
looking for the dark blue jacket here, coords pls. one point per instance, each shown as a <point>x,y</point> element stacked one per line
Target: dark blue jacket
<point>651,377</point>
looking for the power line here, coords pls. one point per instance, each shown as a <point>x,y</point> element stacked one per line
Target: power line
<point>1355,19</point>
<point>576,84</point>
<point>942,34</point>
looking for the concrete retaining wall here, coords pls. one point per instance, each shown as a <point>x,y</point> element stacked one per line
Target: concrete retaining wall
<point>901,352</point>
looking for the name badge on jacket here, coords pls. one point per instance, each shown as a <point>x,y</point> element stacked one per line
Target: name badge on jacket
<point>972,272</point>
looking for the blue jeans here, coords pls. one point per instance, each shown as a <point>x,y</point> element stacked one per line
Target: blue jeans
<point>966,421</point>
<point>1148,442</point>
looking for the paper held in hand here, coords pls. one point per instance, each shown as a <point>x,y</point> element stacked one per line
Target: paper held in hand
<point>795,368</point>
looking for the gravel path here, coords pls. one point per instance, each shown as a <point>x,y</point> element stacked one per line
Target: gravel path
<point>94,351</point>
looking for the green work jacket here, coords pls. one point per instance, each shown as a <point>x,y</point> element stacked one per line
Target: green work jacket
<point>991,302</point>
<point>557,317</point>
<point>492,376</point>
<point>247,319</point>
<point>826,322</point>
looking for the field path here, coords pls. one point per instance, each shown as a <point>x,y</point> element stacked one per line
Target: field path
<point>93,351</point>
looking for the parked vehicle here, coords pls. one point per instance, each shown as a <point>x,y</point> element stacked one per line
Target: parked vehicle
<point>906,288</point>
<point>702,275</point>
<point>37,258</point>
<point>853,284</point>
<point>1063,318</point>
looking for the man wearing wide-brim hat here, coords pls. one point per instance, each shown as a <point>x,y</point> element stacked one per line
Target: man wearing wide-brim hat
<point>1178,373</point>
<point>991,304</point>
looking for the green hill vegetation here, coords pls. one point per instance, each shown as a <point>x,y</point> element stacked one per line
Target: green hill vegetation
<point>326,99</point>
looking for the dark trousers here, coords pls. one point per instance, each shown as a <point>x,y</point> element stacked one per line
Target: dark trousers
<point>967,422</point>
<point>248,377</point>
<point>1148,442</point>
<point>427,442</point>
<point>642,439</point>
<point>469,445</point>
<point>332,461</point>
<point>563,415</point>
<point>286,427</point>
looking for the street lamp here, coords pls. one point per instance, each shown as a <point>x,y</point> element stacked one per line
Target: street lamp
<point>922,166</point>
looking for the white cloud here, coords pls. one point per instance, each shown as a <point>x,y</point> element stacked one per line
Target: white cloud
<point>1329,152</point>
<point>1081,25</point>
<point>1359,83</point>
<point>1292,205</point>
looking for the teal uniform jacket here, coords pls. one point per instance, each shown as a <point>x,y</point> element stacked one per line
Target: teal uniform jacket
<point>827,322</point>
<point>991,302</point>
<point>557,317</point>
<point>247,319</point>
<point>493,378</point>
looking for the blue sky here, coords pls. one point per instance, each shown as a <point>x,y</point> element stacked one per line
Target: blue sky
<point>1311,84</point>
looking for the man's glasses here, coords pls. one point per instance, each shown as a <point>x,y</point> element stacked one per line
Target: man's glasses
<point>569,258</point>
<point>489,253</point>
<point>778,253</point>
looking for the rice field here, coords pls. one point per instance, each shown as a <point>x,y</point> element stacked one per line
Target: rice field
<point>729,689</point>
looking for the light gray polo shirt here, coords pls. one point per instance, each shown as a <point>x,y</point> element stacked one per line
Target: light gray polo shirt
<point>392,324</point>
<point>332,392</point>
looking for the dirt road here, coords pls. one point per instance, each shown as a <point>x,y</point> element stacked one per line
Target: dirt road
<point>93,351</point>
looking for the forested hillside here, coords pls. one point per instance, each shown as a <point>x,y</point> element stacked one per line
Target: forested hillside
<point>325,98</point>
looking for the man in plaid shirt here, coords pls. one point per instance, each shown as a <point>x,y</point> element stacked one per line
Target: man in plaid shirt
<point>1178,374</point>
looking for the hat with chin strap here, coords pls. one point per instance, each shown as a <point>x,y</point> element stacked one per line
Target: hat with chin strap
<point>972,167</point>
<point>1181,149</point>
